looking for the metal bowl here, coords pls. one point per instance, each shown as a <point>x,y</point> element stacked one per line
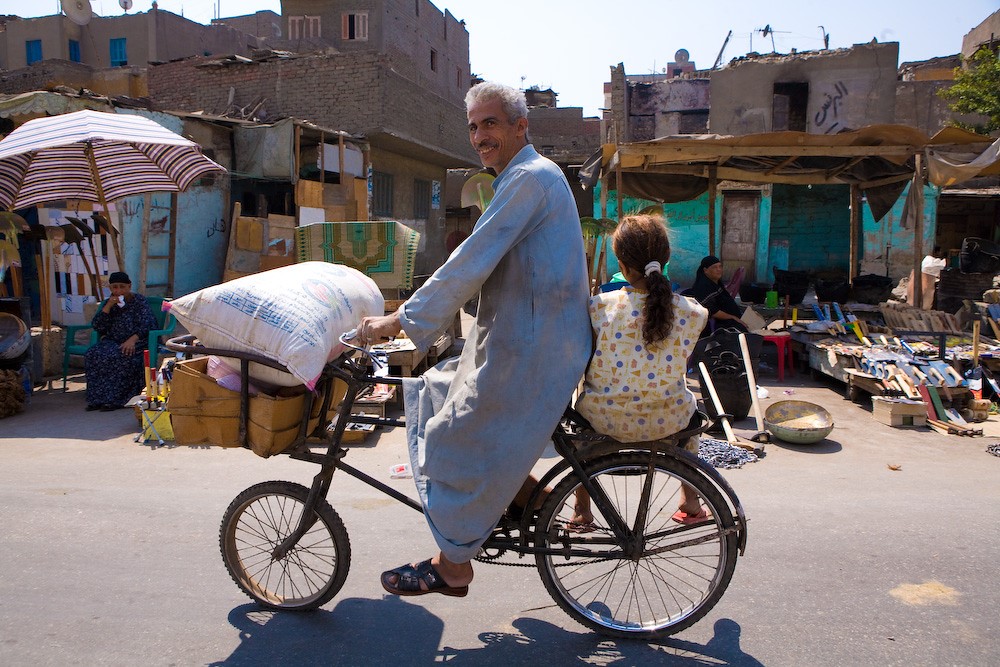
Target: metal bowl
<point>14,336</point>
<point>798,422</point>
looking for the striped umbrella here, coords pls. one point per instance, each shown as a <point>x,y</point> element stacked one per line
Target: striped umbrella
<point>95,156</point>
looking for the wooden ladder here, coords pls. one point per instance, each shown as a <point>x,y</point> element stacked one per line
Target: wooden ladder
<point>143,286</point>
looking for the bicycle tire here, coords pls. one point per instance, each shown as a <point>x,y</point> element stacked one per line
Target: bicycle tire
<point>679,576</point>
<point>310,574</point>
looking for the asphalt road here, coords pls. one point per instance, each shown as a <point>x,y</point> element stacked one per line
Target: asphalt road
<point>110,556</point>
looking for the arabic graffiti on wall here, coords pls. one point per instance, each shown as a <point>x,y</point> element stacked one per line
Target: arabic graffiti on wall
<point>828,118</point>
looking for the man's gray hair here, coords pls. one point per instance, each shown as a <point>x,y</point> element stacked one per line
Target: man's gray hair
<point>511,100</point>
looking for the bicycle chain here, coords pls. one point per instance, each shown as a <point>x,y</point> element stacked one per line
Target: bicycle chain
<point>484,557</point>
<point>495,561</point>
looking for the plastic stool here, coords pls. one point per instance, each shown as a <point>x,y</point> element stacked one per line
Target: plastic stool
<point>783,343</point>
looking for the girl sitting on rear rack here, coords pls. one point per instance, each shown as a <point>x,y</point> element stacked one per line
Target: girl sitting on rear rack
<point>635,389</point>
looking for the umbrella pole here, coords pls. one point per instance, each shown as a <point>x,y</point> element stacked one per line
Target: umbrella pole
<point>104,204</point>
<point>42,269</point>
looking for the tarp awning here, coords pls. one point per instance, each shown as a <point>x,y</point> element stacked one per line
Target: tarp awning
<point>45,103</point>
<point>878,159</point>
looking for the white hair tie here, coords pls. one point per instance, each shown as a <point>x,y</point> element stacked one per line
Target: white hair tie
<point>651,268</point>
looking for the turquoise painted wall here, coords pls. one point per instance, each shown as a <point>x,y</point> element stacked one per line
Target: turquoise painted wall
<point>202,238</point>
<point>202,230</point>
<point>816,223</point>
<point>799,228</point>
<point>687,222</point>
<point>887,246</point>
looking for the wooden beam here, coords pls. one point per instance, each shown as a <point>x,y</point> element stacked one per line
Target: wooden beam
<point>781,165</point>
<point>618,192</point>
<point>852,269</point>
<point>713,182</point>
<point>844,167</point>
<point>147,213</point>
<point>172,253</point>
<point>689,152</point>
<point>918,230</point>
<point>799,177</point>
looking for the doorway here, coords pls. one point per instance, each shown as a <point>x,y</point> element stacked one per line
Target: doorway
<point>740,219</point>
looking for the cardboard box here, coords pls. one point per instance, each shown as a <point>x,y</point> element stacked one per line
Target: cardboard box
<point>203,413</point>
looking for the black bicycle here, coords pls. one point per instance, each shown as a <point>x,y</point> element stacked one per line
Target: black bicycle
<point>631,572</point>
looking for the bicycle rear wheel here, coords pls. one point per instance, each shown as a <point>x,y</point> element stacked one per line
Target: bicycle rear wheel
<point>310,574</point>
<point>675,575</point>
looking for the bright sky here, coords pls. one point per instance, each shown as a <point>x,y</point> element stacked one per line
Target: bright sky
<point>570,45</point>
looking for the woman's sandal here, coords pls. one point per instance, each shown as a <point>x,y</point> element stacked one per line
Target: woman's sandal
<point>581,526</point>
<point>685,519</point>
<point>408,578</point>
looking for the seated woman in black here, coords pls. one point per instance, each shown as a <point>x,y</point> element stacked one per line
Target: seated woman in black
<point>114,365</point>
<point>710,292</point>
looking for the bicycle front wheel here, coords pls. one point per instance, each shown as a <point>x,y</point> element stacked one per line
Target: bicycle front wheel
<point>310,574</point>
<point>669,575</point>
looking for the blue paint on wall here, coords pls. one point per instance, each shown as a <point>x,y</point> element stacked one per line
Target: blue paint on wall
<point>202,237</point>
<point>799,228</point>
<point>686,222</point>
<point>816,222</point>
<point>887,246</point>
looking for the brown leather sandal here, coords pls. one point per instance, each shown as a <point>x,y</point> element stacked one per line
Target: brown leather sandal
<point>408,580</point>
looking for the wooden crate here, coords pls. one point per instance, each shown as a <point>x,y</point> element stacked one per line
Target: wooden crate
<point>898,413</point>
<point>356,433</point>
<point>376,404</point>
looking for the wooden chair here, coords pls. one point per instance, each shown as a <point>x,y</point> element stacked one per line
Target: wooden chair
<point>165,323</point>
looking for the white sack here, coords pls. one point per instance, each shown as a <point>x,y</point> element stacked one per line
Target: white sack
<point>293,315</point>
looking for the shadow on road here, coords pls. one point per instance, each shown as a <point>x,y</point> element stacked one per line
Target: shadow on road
<point>393,631</point>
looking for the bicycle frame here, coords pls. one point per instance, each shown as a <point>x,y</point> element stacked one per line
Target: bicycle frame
<point>574,448</point>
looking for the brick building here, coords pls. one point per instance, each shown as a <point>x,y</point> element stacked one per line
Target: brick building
<point>393,72</point>
<point>114,41</point>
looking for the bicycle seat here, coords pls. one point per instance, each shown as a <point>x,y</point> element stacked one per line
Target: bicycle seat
<point>581,429</point>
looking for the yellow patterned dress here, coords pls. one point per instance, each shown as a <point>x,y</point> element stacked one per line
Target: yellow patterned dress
<point>633,392</point>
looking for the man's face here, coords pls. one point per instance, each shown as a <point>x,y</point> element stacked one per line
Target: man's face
<point>493,136</point>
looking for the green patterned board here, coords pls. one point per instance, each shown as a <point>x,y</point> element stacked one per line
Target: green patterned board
<point>383,250</point>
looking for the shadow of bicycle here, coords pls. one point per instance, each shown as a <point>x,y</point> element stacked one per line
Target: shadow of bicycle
<point>392,631</point>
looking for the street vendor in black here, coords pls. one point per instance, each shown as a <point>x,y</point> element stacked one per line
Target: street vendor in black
<point>712,294</point>
<point>114,365</point>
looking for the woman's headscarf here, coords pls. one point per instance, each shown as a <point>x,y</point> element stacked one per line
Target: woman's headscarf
<point>710,260</point>
<point>713,295</point>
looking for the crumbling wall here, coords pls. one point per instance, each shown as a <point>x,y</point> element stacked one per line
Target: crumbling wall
<point>847,89</point>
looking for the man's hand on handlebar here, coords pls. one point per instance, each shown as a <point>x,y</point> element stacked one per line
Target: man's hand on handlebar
<point>374,330</point>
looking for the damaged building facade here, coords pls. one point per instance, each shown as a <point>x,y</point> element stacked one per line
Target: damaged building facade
<point>763,227</point>
<point>393,73</point>
<point>389,76</point>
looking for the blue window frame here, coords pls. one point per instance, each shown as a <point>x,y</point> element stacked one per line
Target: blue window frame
<point>33,50</point>
<point>119,55</point>
<point>74,51</point>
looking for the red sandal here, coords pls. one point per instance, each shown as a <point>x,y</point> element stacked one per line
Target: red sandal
<point>682,517</point>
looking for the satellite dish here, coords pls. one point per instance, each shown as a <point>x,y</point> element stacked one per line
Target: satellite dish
<point>682,56</point>
<point>77,11</point>
<point>125,4</point>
